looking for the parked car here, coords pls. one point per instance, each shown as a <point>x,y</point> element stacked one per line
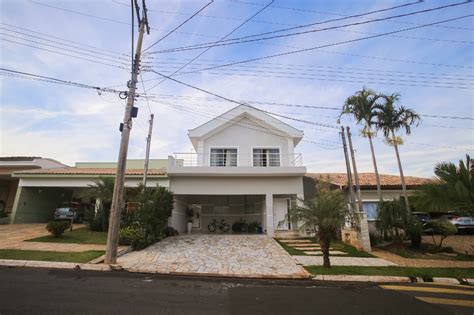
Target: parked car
<point>421,217</point>
<point>70,210</point>
<point>464,223</point>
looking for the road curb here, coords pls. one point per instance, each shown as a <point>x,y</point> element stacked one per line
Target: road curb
<point>53,264</point>
<point>357,278</point>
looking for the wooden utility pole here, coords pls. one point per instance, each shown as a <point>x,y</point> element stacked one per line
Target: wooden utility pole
<point>147,155</point>
<point>348,168</point>
<point>354,166</point>
<point>117,198</point>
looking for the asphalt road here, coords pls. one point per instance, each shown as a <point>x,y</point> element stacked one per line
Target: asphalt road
<point>24,290</point>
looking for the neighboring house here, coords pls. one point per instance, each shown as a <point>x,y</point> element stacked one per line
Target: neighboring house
<point>244,167</point>
<point>41,191</point>
<point>9,184</point>
<point>390,184</point>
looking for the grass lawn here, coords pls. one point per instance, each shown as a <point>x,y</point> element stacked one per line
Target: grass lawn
<point>77,257</point>
<point>425,273</point>
<point>335,245</point>
<point>425,252</point>
<point>79,236</point>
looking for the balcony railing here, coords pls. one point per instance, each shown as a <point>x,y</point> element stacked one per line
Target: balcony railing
<point>231,159</point>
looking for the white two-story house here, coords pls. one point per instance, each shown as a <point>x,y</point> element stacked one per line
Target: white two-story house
<point>244,167</point>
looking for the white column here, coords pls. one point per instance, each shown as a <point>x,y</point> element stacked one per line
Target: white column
<point>269,214</point>
<point>364,232</point>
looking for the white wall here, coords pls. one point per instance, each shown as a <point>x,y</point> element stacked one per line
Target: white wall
<point>244,136</point>
<point>237,185</point>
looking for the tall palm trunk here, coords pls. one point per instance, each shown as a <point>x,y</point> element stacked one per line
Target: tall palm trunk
<point>377,177</point>
<point>402,177</point>
<point>325,239</point>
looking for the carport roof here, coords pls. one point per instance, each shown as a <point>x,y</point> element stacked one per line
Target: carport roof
<point>90,171</point>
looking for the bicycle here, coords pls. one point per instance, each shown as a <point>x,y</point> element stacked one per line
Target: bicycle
<point>222,226</point>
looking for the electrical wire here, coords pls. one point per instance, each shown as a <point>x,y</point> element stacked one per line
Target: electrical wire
<point>256,102</point>
<point>243,104</point>
<point>326,45</point>
<point>59,81</point>
<point>251,38</point>
<point>339,14</point>
<point>177,27</point>
<point>64,54</point>
<point>210,47</point>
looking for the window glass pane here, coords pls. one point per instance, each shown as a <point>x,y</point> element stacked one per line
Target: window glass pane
<point>266,157</point>
<point>370,209</point>
<point>223,157</point>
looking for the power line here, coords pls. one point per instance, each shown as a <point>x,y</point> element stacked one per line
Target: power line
<point>243,104</point>
<point>346,78</point>
<point>251,38</point>
<point>244,125</point>
<point>63,54</point>
<point>326,45</point>
<point>181,24</point>
<point>14,27</point>
<point>223,38</point>
<point>291,66</point>
<point>339,14</point>
<point>60,81</point>
<point>95,55</point>
<point>339,109</point>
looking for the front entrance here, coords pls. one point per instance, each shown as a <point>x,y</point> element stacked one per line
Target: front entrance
<point>280,212</point>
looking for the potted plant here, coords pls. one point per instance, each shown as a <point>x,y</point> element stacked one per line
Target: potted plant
<point>189,216</point>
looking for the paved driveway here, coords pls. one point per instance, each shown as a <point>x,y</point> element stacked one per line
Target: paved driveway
<point>254,256</point>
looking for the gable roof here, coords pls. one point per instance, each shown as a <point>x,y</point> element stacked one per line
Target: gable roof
<point>368,181</point>
<point>269,123</point>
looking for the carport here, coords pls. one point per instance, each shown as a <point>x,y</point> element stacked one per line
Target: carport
<point>41,191</point>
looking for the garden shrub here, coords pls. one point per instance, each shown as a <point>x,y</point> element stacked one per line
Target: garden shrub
<point>169,231</point>
<point>443,228</point>
<point>100,221</point>
<point>57,228</point>
<point>375,239</point>
<point>136,237</point>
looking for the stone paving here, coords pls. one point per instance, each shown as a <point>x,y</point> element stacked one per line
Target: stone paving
<point>253,256</point>
<point>343,261</point>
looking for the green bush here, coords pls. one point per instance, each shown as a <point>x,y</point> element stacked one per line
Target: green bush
<point>443,228</point>
<point>100,221</point>
<point>375,239</point>
<point>414,230</point>
<point>135,237</point>
<point>57,228</point>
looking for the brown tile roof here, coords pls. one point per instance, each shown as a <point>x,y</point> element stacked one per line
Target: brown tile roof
<point>92,171</point>
<point>367,180</point>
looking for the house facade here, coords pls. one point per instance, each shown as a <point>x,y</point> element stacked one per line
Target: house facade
<point>244,167</point>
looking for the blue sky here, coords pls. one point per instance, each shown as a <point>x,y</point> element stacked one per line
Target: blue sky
<point>431,67</point>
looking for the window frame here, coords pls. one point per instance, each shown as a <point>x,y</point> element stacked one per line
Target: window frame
<point>268,159</point>
<point>223,148</point>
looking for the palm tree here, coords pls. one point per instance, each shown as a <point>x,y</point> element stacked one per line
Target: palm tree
<point>452,189</point>
<point>362,106</point>
<point>102,189</point>
<point>323,215</point>
<point>391,119</point>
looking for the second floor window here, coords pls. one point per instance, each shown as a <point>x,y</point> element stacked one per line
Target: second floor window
<point>223,157</point>
<point>266,157</point>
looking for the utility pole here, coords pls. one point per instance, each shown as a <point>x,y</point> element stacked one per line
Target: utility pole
<point>354,166</point>
<point>348,168</point>
<point>125,127</point>
<point>147,156</point>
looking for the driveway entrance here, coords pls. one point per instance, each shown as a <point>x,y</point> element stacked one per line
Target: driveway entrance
<point>251,256</point>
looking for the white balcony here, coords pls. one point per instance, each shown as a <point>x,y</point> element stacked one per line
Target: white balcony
<point>233,164</point>
<point>235,160</point>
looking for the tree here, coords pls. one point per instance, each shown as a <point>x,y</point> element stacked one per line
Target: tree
<point>362,106</point>
<point>390,120</point>
<point>452,189</point>
<point>102,189</point>
<point>324,214</point>
<point>444,228</point>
